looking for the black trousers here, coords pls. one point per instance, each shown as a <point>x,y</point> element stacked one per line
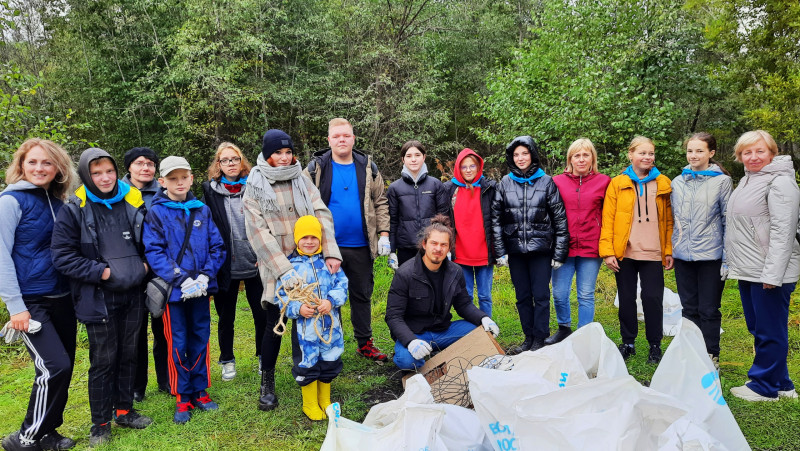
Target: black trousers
<point>357,265</point>
<point>530,274</point>
<point>323,371</point>
<point>270,342</point>
<point>700,290</point>
<point>651,274</point>
<point>225,305</point>
<point>160,353</point>
<point>405,254</point>
<point>113,354</point>
<point>52,350</point>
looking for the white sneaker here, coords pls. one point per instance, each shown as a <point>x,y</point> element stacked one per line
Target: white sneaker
<point>228,371</point>
<point>744,392</point>
<point>789,394</point>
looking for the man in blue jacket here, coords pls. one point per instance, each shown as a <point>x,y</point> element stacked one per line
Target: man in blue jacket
<point>97,244</point>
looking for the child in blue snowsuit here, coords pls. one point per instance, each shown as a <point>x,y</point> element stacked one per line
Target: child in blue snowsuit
<point>316,363</point>
<point>187,317</point>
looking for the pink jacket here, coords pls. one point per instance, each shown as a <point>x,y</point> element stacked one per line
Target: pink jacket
<point>583,200</point>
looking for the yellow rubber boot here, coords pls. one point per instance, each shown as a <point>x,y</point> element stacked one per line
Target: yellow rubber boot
<point>310,403</point>
<point>324,395</point>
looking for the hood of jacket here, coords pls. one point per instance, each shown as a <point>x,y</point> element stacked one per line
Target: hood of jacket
<point>88,156</point>
<point>408,177</point>
<point>22,185</point>
<point>528,142</point>
<point>457,168</point>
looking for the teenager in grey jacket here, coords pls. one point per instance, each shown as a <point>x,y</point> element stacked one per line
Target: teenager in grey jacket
<point>699,199</point>
<point>761,252</point>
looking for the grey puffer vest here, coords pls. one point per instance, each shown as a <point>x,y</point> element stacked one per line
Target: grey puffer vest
<point>698,208</point>
<point>761,221</point>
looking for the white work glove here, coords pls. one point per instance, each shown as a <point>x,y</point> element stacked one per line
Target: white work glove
<point>490,326</point>
<point>12,335</point>
<point>393,261</point>
<point>419,349</point>
<point>291,279</point>
<point>190,289</point>
<point>502,261</point>
<point>202,282</point>
<point>555,264</point>
<point>384,247</point>
<point>723,272</point>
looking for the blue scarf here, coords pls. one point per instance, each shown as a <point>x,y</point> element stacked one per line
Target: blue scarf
<point>635,178</point>
<point>241,181</point>
<point>185,206</point>
<point>694,174</point>
<point>122,190</point>
<point>475,183</point>
<point>529,180</point>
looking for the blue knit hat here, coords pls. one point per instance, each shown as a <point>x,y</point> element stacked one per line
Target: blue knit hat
<point>275,140</point>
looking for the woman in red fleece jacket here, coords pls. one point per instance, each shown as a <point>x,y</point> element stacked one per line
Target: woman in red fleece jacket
<point>470,195</point>
<point>582,189</point>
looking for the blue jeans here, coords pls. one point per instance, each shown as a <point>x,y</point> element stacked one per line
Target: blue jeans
<point>482,275</point>
<point>587,269</point>
<point>438,340</point>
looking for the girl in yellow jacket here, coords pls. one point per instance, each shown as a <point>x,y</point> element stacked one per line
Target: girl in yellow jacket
<point>636,241</point>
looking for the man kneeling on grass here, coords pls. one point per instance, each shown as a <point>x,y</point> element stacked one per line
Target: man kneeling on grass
<point>422,292</point>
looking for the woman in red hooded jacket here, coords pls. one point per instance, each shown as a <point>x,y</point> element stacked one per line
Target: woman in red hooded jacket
<point>470,195</point>
<point>582,189</point>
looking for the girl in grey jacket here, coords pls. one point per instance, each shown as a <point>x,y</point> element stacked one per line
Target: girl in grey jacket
<point>761,252</point>
<point>699,199</point>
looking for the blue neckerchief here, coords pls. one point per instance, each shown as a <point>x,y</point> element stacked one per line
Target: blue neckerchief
<point>635,178</point>
<point>529,180</point>
<point>241,181</point>
<point>694,174</point>
<point>475,183</point>
<point>122,190</point>
<point>185,206</point>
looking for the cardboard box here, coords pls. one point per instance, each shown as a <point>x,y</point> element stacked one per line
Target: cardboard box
<point>446,372</point>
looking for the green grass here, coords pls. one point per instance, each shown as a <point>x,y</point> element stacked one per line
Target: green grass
<point>241,425</point>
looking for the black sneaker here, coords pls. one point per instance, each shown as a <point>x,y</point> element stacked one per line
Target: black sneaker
<point>55,441</point>
<point>99,434</point>
<point>655,354</point>
<point>133,419</point>
<point>538,343</point>
<point>627,350</point>
<point>522,347</point>
<point>562,333</point>
<point>12,442</point>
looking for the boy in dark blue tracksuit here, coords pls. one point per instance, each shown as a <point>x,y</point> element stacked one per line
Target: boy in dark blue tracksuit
<point>187,318</point>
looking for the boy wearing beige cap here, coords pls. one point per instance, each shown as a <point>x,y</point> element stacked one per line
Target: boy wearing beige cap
<point>191,270</point>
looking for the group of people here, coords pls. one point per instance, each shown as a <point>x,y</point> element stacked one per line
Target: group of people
<point>304,241</point>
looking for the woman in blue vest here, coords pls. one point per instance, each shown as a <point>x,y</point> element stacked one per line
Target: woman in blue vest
<point>35,294</point>
<point>699,199</point>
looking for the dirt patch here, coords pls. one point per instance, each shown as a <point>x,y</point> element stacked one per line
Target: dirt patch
<point>388,391</point>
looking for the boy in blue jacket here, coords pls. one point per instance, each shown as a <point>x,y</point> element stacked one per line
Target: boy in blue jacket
<point>317,342</point>
<point>187,319</point>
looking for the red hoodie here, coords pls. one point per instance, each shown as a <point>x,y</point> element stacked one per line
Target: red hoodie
<point>583,199</point>
<point>471,247</point>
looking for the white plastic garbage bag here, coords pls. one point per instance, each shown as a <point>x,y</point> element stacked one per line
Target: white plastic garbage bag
<point>412,421</point>
<point>687,373</point>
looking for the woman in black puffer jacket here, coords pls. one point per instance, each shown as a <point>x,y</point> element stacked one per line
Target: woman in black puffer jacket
<point>529,228</point>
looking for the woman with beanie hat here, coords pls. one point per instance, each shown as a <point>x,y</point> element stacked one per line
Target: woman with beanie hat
<point>317,342</point>
<point>469,196</point>
<point>223,194</point>
<point>636,243</point>
<point>582,189</point>
<point>529,228</point>
<point>413,200</point>
<point>141,163</point>
<point>276,195</point>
